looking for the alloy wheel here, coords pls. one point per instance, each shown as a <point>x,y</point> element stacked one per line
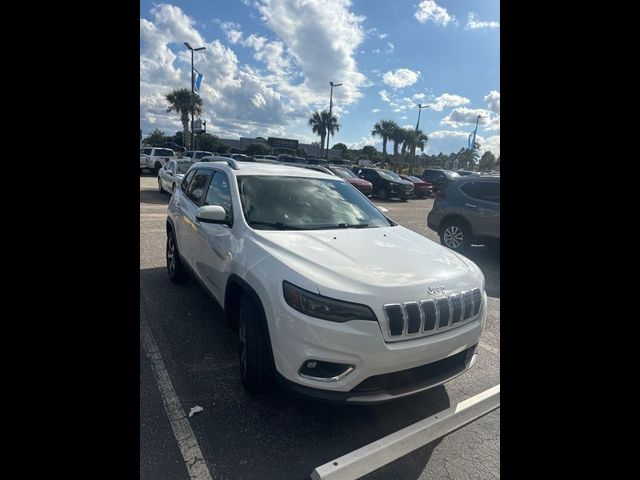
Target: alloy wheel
<point>453,236</point>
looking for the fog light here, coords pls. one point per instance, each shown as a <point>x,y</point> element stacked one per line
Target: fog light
<point>324,371</point>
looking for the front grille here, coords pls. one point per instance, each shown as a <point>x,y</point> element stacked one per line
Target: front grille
<point>429,316</point>
<point>414,378</point>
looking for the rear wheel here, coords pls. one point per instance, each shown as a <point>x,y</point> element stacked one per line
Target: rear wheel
<point>175,269</point>
<point>455,235</point>
<point>382,193</point>
<point>256,362</point>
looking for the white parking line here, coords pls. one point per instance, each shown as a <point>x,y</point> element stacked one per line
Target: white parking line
<point>187,442</point>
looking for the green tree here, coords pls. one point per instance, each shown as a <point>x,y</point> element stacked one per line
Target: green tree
<point>370,152</point>
<point>258,149</point>
<point>487,162</point>
<point>397,136</point>
<point>384,129</point>
<point>341,146</point>
<point>157,138</point>
<point>211,143</point>
<point>181,101</point>
<point>322,125</point>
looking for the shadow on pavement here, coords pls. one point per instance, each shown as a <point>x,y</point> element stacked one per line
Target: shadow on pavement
<point>271,436</point>
<point>488,259</point>
<point>155,197</point>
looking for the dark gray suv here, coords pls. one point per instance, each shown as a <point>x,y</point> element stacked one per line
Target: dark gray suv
<point>467,211</point>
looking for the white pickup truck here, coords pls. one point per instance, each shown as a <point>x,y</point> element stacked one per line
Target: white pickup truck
<point>154,158</point>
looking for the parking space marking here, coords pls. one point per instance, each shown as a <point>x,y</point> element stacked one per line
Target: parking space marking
<point>185,437</point>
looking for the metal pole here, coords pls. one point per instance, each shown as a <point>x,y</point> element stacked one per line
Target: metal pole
<point>326,153</point>
<point>192,102</point>
<point>419,111</point>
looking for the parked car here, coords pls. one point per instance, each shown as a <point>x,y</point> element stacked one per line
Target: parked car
<point>320,286</point>
<point>196,155</point>
<point>170,176</point>
<point>386,184</point>
<point>439,178</point>
<point>420,188</point>
<point>467,212</point>
<point>266,157</point>
<point>361,184</point>
<point>466,173</point>
<point>242,158</point>
<point>178,149</point>
<point>154,158</point>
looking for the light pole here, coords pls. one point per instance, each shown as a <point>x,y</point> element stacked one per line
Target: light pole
<point>326,155</point>
<point>420,107</point>
<point>192,90</point>
<point>413,149</point>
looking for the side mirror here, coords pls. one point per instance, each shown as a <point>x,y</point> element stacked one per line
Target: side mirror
<point>212,214</point>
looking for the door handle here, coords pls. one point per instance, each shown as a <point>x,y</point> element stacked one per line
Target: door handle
<point>469,205</point>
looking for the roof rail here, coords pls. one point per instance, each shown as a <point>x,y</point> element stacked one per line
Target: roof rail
<point>214,158</point>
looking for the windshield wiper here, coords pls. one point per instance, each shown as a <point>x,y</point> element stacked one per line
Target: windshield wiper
<point>276,225</point>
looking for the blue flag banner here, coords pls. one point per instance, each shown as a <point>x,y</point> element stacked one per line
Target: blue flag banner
<point>197,81</point>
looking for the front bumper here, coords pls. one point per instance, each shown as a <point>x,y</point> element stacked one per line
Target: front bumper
<point>297,338</point>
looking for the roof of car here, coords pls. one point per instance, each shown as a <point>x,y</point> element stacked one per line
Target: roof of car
<point>479,178</point>
<point>255,168</point>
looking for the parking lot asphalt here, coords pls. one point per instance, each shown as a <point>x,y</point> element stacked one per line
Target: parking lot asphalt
<point>277,436</point>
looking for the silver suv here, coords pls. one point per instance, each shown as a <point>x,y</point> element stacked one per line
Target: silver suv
<point>467,211</point>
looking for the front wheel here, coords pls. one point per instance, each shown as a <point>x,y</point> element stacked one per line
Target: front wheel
<point>256,362</point>
<point>455,235</point>
<point>175,268</point>
<point>382,194</point>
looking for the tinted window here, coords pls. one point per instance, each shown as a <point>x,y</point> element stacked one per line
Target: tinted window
<point>199,155</point>
<point>197,185</point>
<point>183,167</point>
<point>469,188</point>
<point>292,203</point>
<point>163,152</point>
<point>343,172</point>
<point>220,194</point>
<point>187,180</point>
<point>146,151</point>
<point>389,175</point>
<point>489,191</point>
<point>188,154</point>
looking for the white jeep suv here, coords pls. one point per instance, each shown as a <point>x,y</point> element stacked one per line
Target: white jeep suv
<point>330,297</point>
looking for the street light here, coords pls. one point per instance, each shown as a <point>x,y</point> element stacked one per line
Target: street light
<point>420,107</point>
<point>326,155</point>
<point>192,91</point>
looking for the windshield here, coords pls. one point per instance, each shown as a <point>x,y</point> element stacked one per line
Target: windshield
<point>161,152</point>
<point>413,179</point>
<point>272,202</point>
<point>183,166</point>
<point>343,172</point>
<point>451,175</point>
<point>389,175</point>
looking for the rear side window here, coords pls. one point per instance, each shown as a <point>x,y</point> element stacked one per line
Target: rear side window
<point>146,151</point>
<point>469,188</point>
<point>199,155</point>
<point>163,152</point>
<point>187,180</point>
<point>489,191</point>
<point>198,184</point>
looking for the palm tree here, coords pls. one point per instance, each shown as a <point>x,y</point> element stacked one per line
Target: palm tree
<point>181,100</point>
<point>384,129</point>
<point>321,124</point>
<point>397,136</point>
<point>414,139</point>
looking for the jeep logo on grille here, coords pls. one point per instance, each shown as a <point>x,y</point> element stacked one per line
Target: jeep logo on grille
<point>435,290</point>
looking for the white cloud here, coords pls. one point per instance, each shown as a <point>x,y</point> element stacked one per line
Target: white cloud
<point>234,36</point>
<point>448,141</point>
<point>418,96</point>
<point>402,77</point>
<point>429,10</point>
<point>382,36</point>
<point>375,50</point>
<point>368,140</point>
<point>473,23</point>
<point>493,101</point>
<point>375,110</point>
<point>384,95</point>
<point>448,100</point>
<point>322,36</point>
<point>463,116</point>
<point>491,144</point>
<point>390,47</point>
<point>271,53</point>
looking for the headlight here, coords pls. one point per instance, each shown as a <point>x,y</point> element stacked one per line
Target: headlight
<point>324,307</point>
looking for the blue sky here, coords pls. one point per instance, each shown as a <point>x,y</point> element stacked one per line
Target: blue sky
<point>268,64</point>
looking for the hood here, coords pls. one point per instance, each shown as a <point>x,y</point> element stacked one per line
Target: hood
<point>359,182</point>
<point>380,261</point>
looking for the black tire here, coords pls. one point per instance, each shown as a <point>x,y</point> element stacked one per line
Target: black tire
<point>382,194</point>
<point>403,198</point>
<point>256,361</point>
<point>455,234</point>
<point>175,268</point>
